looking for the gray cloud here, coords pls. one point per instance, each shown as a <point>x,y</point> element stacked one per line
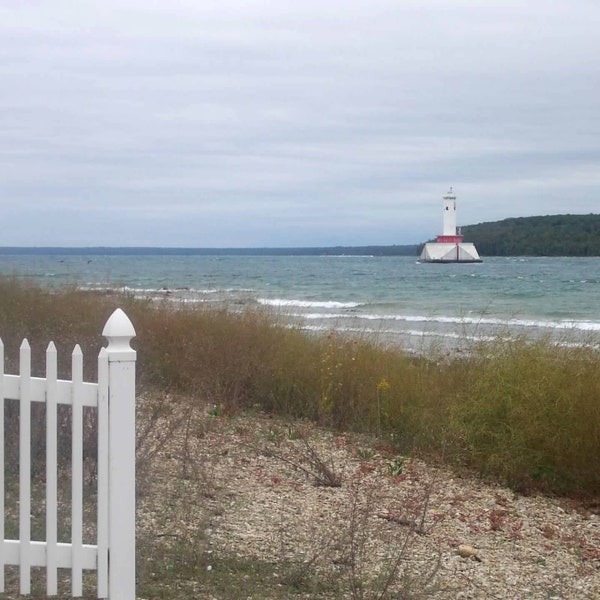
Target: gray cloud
<point>282,123</point>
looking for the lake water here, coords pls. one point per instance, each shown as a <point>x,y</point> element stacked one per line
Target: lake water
<point>394,297</point>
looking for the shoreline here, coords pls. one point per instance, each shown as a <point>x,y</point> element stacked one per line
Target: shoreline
<point>413,333</point>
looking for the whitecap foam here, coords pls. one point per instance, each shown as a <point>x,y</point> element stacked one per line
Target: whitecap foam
<point>447,320</point>
<point>306,303</point>
<point>96,287</point>
<point>336,307</point>
<point>315,316</point>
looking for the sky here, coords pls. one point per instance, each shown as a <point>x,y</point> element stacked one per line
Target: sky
<point>245,123</point>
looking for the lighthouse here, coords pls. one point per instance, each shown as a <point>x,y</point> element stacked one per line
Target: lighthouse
<point>449,247</point>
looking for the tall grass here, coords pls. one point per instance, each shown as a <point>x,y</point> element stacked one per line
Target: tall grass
<point>526,413</point>
<point>532,417</point>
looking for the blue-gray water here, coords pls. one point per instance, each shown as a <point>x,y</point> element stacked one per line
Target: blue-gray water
<point>395,297</point>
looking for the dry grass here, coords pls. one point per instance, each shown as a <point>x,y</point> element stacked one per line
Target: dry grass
<point>526,413</point>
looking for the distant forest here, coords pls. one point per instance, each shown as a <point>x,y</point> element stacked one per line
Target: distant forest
<point>408,250</point>
<point>554,235</point>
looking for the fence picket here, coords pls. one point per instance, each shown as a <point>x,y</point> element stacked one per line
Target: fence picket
<point>51,470</point>
<point>121,358</point>
<point>102,527</point>
<point>77,472</point>
<point>25,468</point>
<point>2,465</point>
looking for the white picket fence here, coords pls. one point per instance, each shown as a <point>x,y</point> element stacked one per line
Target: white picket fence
<point>113,555</point>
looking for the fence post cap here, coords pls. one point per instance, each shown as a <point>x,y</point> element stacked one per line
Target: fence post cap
<point>119,331</point>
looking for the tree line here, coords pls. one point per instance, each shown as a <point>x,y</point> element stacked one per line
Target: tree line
<point>553,235</point>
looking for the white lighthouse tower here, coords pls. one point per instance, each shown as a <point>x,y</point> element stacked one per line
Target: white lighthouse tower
<point>449,247</point>
<point>449,214</point>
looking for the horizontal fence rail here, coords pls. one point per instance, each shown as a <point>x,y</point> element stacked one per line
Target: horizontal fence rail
<point>113,400</point>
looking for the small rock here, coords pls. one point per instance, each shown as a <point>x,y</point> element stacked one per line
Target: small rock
<point>468,552</point>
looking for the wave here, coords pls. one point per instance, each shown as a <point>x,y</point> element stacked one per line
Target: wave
<point>511,322</point>
<point>407,332</point>
<point>441,335</point>
<point>332,310</point>
<point>306,303</point>
<point>94,287</point>
<point>496,322</point>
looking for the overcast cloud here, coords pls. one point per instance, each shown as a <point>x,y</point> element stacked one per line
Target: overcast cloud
<point>292,123</point>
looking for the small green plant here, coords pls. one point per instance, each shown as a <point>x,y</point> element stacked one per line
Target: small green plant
<point>272,434</point>
<point>396,465</point>
<point>240,430</point>
<point>294,433</point>
<point>216,410</point>
<point>366,453</point>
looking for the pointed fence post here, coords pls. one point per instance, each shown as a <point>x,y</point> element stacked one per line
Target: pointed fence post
<point>121,460</point>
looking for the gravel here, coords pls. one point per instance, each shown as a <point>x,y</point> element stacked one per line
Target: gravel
<point>250,488</point>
